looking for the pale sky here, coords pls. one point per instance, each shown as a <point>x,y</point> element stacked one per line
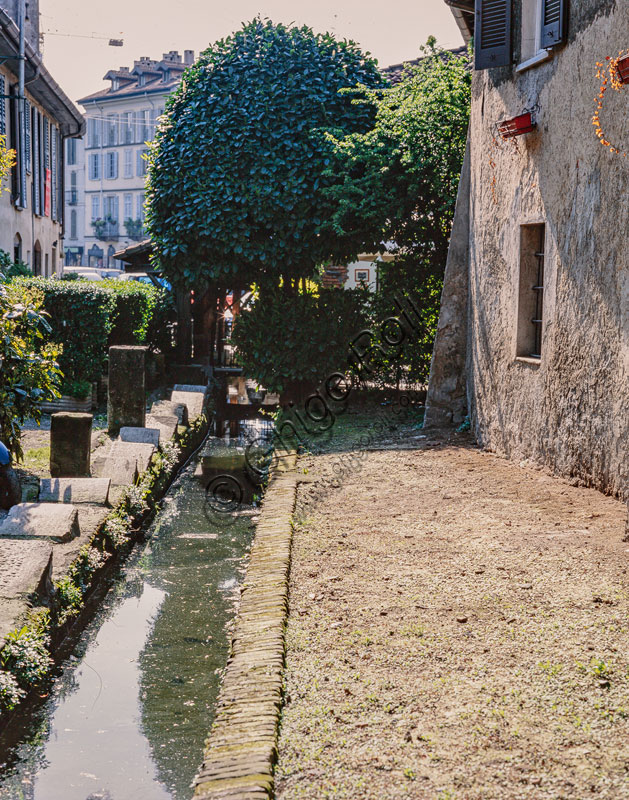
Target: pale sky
<point>391,30</point>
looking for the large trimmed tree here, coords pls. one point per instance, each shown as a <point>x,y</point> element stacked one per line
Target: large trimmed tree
<point>237,172</point>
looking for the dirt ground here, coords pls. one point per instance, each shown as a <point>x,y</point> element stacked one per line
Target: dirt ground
<point>458,628</point>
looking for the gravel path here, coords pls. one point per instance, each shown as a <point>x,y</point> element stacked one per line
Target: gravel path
<point>458,628</point>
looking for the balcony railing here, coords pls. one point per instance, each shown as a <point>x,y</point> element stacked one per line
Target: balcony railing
<point>106,231</point>
<point>72,197</point>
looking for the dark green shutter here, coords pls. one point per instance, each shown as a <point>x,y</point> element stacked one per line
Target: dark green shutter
<point>492,34</point>
<point>554,16</point>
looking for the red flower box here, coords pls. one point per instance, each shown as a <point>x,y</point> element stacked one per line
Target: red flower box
<point>622,67</point>
<point>524,123</point>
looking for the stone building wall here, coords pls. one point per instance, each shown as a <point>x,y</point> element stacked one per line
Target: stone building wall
<point>568,410</point>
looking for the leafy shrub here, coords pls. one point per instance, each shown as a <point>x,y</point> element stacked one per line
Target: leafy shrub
<point>25,654</point>
<point>10,692</point>
<point>86,318</point>
<point>80,317</point>
<point>284,342</point>
<point>29,372</point>
<point>13,269</point>
<point>134,307</point>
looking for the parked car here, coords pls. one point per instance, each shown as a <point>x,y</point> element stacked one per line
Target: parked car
<point>146,277</point>
<point>86,273</point>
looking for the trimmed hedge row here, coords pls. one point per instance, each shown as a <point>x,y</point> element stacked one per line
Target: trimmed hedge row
<point>87,318</point>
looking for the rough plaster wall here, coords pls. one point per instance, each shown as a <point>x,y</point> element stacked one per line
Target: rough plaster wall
<point>571,412</point>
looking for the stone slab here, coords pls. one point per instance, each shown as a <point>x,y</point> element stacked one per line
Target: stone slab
<point>187,387</point>
<point>166,424</point>
<point>194,402</point>
<point>140,435</point>
<point>74,490</point>
<point>121,470</point>
<point>161,407</point>
<point>55,521</point>
<point>141,452</point>
<point>25,567</point>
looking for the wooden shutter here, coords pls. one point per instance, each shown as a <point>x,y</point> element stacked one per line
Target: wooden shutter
<point>554,17</point>
<point>28,147</point>
<point>492,36</point>
<point>36,165</point>
<point>3,107</point>
<point>53,170</point>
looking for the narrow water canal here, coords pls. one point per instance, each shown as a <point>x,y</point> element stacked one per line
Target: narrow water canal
<point>130,712</point>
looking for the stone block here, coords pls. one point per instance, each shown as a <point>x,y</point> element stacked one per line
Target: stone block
<point>25,568</point>
<point>57,522</point>
<point>74,490</point>
<point>140,435</point>
<point>126,400</point>
<point>167,407</point>
<point>70,444</point>
<point>142,452</point>
<point>121,470</point>
<point>166,424</point>
<point>194,402</point>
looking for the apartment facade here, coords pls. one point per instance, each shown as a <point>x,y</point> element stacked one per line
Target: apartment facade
<point>110,169</point>
<point>31,211</point>
<point>533,336</point>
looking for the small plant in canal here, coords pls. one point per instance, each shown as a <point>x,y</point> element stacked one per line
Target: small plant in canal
<point>25,654</point>
<point>10,692</point>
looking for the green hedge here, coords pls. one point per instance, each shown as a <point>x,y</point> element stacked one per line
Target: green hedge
<point>86,318</point>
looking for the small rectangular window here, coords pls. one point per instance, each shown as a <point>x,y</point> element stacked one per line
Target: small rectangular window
<point>531,291</point>
<point>128,206</point>
<point>95,206</point>
<point>112,165</point>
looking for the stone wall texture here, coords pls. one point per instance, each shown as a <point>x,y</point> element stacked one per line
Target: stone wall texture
<point>570,411</point>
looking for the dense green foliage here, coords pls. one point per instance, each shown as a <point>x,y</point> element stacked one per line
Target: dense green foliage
<point>28,365</point>
<point>287,342</point>
<point>399,186</point>
<point>85,318</point>
<point>236,184</point>
<point>12,269</point>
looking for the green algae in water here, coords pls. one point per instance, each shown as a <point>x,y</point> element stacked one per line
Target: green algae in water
<point>129,716</point>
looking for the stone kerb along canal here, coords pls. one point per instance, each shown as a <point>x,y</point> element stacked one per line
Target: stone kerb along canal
<point>128,715</point>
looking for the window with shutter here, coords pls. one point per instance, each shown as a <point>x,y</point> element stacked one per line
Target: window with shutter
<point>492,39</point>
<point>95,206</point>
<point>554,17</point>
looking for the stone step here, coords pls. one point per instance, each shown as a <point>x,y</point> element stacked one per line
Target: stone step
<point>57,522</point>
<point>146,435</point>
<point>194,402</point>
<point>74,490</point>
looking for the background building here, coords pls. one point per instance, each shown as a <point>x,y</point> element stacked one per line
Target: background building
<point>31,211</point>
<point>110,170</point>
